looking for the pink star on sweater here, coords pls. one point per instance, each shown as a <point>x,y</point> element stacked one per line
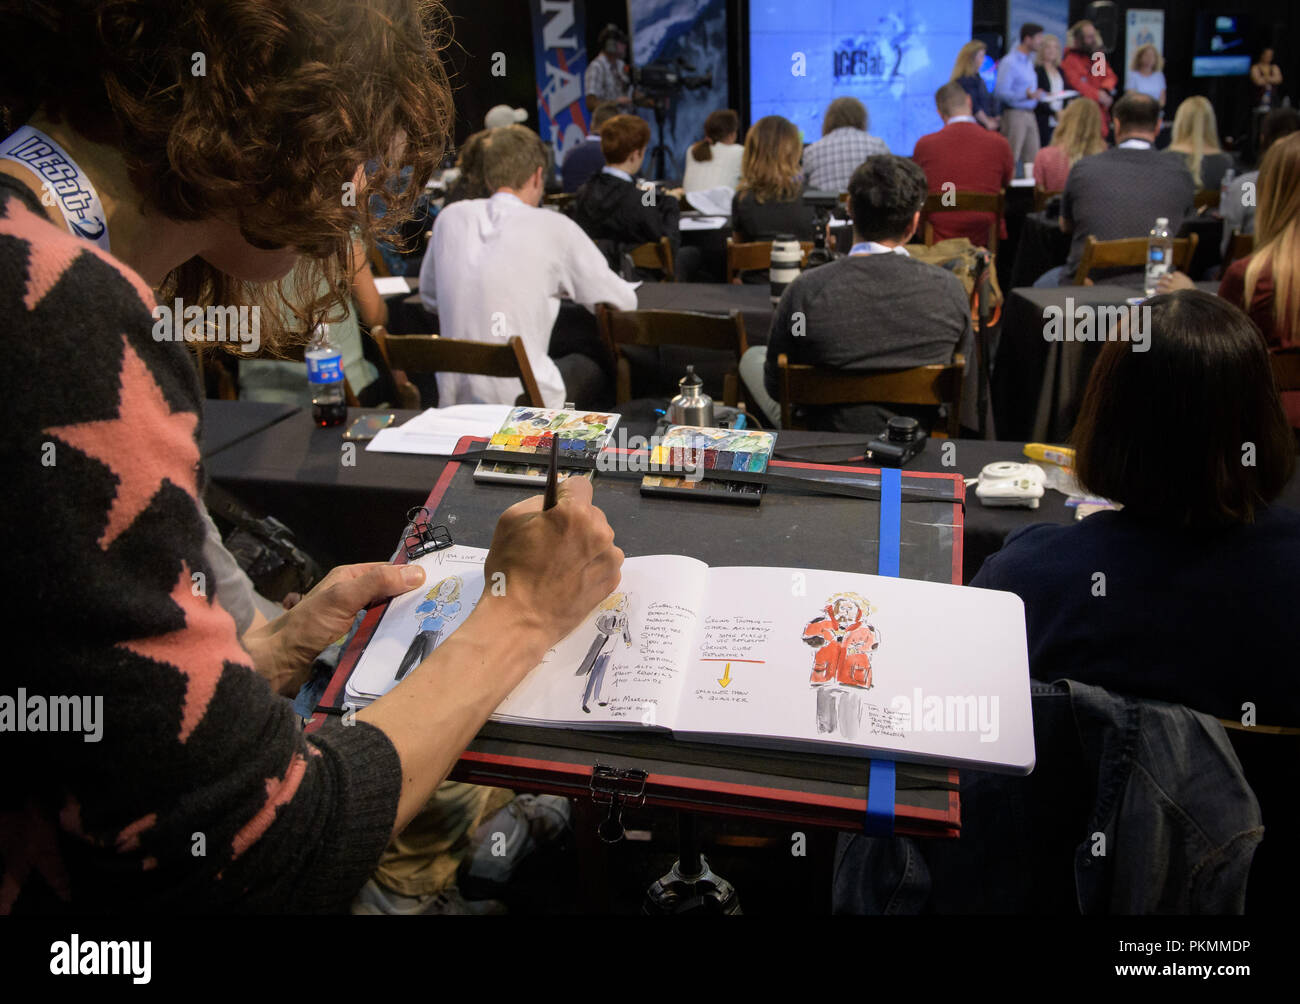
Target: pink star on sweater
<point>199,650</point>
<point>145,445</point>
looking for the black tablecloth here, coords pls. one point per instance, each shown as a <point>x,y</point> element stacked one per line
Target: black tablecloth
<point>347,513</point>
<point>1037,385</point>
<point>227,422</point>
<point>753,301</point>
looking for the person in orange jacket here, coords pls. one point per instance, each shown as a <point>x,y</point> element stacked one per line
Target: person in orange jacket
<point>1085,69</point>
<point>842,642</point>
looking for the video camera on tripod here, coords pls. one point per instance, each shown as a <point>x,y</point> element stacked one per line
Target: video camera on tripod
<point>656,81</point>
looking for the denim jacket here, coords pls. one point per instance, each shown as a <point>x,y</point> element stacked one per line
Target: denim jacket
<point>1136,806</point>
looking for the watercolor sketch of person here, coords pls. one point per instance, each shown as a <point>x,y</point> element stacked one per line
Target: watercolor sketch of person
<point>842,643</point>
<point>441,606</point>
<point>611,621</point>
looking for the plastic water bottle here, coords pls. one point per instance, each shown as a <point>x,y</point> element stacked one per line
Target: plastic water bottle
<point>1160,254</point>
<point>325,374</point>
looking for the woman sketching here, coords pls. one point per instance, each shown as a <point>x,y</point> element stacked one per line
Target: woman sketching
<point>611,620</point>
<point>441,606</point>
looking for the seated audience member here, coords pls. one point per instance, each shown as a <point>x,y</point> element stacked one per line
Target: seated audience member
<point>1087,70</point>
<point>503,115</point>
<point>968,156</point>
<point>1195,142</point>
<point>1121,192</point>
<point>1146,73</point>
<point>469,183</point>
<point>1017,89</point>
<point>828,164</point>
<point>585,160</point>
<point>1078,134</point>
<point>1266,284</point>
<point>875,309</point>
<point>1236,207</point>
<point>1199,539</point>
<point>500,266</point>
<point>714,162</point>
<point>966,74</point>
<point>769,200</point>
<point>198,740</point>
<point>613,207</point>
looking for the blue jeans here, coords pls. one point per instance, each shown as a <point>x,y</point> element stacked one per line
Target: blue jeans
<point>1052,277</point>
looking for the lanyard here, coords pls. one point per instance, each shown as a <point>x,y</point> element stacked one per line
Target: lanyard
<point>61,177</point>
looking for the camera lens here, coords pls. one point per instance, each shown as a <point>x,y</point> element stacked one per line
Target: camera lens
<point>901,429</point>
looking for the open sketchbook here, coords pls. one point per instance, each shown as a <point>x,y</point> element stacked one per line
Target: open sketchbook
<point>786,658</point>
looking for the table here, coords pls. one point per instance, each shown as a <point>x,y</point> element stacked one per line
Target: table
<point>227,422</point>
<point>753,300</point>
<point>1037,385</point>
<point>344,514</point>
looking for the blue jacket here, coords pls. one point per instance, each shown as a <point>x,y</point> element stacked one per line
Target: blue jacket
<point>1136,806</point>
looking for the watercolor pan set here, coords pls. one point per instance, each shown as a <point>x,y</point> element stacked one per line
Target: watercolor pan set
<point>715,450</point>
<point>528,432</point>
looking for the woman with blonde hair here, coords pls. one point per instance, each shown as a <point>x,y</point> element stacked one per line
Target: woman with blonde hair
<point>1146,74</point>
<point>769,200</point>
<point>966,71</point>
<point>1266,284</point>
<point>1051,80</point>
<point>1078,134</point>
<point>1196,140</point>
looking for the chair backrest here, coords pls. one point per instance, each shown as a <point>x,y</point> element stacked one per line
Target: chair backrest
<point>1207,198</point>
<point>965,202</point>
<point>1129,252</point>
<point>1239,246</point>
<point>719,332</point>
<point>1042,198</point>
<point>432,354</point>
<point>755,256</point>
<point>1286,369</point>
<point>657,255</point>
<point>922,385</point>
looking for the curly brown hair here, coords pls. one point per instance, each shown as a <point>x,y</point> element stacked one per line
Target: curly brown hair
<point>260,111</point>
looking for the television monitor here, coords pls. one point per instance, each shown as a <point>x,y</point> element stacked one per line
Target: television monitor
<point>1222,47</point>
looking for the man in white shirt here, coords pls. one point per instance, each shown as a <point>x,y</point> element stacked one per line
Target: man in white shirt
<point>499,267</point>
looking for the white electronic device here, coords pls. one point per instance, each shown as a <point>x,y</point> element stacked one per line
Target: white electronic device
<point>1006,483</point>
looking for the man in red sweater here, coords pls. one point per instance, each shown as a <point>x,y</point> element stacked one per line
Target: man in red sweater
<point>1085,69</point>
<point>966,157</point>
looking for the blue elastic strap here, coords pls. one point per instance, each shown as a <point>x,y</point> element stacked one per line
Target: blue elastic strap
<point>881,780</point>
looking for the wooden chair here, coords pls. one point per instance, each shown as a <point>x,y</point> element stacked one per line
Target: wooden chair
<point>657,255</point>
<point>1042,198</point>
<point>1130,252</point>
<point>966,202</point>
<point>561,200</point>
<point>1286,369</point>
<point>921,385</point>
<point>651,328</point>
<point>433,354</point>
<point>1239,246</point>
<point>755,256</point>
<point>1207,198</point>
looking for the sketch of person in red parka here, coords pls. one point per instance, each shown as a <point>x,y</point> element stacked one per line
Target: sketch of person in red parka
<point>842,643</point>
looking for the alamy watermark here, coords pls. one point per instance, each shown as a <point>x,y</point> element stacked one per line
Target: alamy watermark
<point>177,322</point>
<point>35,713</point>
<point>1102,323</point>
<point>918,712</point>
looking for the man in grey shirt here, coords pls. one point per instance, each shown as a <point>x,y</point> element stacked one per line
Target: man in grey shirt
<point>877,309</point>
<point>1122,192</point>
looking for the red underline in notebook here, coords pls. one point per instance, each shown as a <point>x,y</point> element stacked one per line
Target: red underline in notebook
<point>756,661</point>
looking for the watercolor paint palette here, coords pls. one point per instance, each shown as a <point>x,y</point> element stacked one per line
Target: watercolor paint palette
<point>715,450</point>
<point>529,432</point>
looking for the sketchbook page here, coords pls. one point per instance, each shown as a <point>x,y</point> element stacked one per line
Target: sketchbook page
<point>920,670</point>
<point>415,623</point>
<point>623,665</point>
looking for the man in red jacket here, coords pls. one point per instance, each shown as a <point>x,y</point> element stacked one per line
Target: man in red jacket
<point>965,157</point>
<point>842,643</point>
<point>1085,69</point>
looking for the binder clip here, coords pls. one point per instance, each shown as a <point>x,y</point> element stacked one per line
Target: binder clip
<point>421,537</point>
<point>614,787</point>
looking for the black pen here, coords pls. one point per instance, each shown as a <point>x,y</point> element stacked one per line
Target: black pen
<point>552,476</point>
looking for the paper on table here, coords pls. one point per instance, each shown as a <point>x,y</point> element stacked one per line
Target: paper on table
<point>1057,96</point>
<point>390,285</point>
<point>438,430</point>
<point>702,222</point>
<point>714,201</point>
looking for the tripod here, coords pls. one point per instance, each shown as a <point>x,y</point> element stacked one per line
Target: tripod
<point>659,155</point>
<point>690,886</point>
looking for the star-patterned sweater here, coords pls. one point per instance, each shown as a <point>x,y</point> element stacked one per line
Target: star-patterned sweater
<point>202,793</point>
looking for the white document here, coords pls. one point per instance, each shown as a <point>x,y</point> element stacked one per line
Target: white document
<point>702,222</point>
<point>714,201</point>
<point>437,430</point>
<point>391,285</point>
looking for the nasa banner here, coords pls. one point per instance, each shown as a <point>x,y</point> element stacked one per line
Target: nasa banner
<point>560,56</point>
